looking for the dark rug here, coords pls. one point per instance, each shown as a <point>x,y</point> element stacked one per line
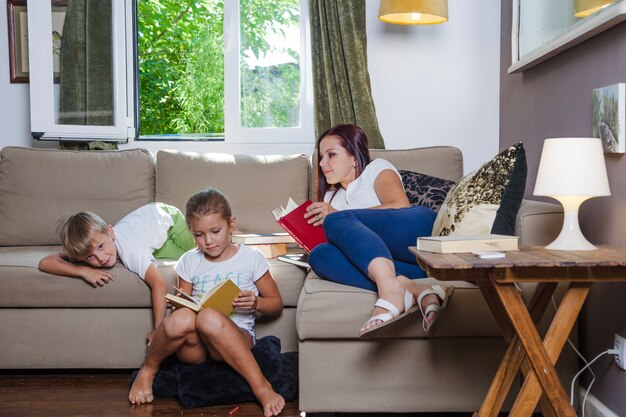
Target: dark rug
<point>216,383</point>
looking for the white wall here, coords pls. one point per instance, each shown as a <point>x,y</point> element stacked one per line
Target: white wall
<point>432,85</point>
<point>439,84</point>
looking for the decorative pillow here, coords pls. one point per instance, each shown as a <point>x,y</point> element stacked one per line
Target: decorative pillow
<point>216,383</point>
<point>486,200</point>
<point>424,190</point>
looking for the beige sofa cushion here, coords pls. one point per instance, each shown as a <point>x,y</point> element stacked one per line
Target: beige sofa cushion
<point>328,310</point>
<point>438,161</point>
<point>253,184</point>
<point>40,186</point>
<point>19,275</point>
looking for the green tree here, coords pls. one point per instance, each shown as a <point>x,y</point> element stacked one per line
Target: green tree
<point>181,65</point>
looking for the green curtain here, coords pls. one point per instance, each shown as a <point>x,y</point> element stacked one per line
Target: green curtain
<point>340,77</point>
<point>86,92</point>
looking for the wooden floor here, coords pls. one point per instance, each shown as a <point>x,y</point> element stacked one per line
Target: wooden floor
<point>87,394</point>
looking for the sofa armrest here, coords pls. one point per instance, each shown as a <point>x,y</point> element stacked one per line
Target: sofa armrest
<point>538,223</point>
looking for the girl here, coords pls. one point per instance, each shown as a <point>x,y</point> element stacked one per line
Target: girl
<point>368,248</point>
<point>210,334</point>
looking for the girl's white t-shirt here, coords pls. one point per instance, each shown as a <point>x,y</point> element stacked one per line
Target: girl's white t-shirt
<point>244,269</point>
<point>139,234</point>
<point>360,192</point>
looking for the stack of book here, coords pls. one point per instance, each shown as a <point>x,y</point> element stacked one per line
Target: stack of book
<point>271,244</point>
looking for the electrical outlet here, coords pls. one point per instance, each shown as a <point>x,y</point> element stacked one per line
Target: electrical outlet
<point>620,356</point>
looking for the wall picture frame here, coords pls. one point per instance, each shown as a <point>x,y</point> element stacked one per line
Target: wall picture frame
<point>609,117</point>
<point>18,38</point>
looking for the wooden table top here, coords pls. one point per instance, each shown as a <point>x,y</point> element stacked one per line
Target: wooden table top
<point>531,263</point>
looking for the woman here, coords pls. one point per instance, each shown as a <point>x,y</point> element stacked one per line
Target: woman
<point>368,247</point>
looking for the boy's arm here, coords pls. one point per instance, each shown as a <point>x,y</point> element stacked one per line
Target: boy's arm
<point>59,264</point>
<point>158,289</point>
<point>268,302</point>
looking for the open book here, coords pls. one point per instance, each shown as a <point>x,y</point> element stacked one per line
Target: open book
<point>291,218</point>
<point>219,298</point>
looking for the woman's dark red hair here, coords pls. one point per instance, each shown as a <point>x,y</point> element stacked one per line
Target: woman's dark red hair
<point>353,140</point>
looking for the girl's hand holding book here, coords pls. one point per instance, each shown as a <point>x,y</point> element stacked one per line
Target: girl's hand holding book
<point>247,300</point>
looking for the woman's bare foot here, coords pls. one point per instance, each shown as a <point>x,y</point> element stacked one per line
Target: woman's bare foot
<point>141,390</point>
<point>272,402</point>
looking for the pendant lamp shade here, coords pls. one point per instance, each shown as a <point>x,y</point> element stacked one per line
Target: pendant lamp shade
<point>413,12</point>
<point>583,8</point>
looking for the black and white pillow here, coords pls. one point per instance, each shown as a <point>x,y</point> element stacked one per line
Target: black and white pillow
<point>425,190</point>
<point>486,200</point>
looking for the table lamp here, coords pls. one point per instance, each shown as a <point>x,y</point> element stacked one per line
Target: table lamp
<point>572,170</point>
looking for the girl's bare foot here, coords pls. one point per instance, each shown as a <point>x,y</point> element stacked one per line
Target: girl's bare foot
<point>272,402</point>
<point>141,390</point>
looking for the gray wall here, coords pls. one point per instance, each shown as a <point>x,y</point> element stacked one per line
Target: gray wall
<point>553,99</point>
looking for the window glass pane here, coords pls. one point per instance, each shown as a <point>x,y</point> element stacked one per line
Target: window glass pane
<point>270,63</point>
<point>82,62</point>
<point>181,67</point>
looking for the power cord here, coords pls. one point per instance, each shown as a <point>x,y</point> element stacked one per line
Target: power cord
<point>587,365</point>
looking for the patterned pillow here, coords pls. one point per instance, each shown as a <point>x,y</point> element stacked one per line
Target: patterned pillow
<point>487,200</point>
<point>424,190</point>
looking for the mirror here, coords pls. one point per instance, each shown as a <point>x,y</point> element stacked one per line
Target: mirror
<point>542,29</point>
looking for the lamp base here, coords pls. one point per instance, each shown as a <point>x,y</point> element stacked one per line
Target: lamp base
<point>571,238</point>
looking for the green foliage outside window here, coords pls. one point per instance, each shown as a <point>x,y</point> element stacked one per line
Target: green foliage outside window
<point>181,66</point>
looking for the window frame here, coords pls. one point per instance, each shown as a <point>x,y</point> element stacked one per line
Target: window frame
<point>43,90</point>
<point>126,103</point>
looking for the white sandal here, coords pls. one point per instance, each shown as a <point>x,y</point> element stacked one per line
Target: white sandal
<point>443,295</point>
<point>391,316</point>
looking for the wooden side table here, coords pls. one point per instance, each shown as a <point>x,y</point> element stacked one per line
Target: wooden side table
<point>496,279</point>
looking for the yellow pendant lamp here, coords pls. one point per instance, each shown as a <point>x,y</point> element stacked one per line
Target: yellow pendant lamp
<point>413,12</point>
<point>584,8</point>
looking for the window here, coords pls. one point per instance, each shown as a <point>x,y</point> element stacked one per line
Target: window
<point>206,69</point>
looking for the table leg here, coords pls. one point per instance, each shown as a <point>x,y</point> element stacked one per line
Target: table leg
<point>535,351</point>
<point>554,341</point>
<point>514,355</point>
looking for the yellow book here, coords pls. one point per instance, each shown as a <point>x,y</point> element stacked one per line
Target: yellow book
<point>219,298</point>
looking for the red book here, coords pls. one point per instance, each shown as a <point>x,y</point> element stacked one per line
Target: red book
<point>292,220</point>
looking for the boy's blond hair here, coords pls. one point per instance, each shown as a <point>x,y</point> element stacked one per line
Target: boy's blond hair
<point>77,231</point>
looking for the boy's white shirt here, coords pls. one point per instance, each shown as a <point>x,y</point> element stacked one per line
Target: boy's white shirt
<point>244,269</point>
<point>139,234</point>
<point>360,192</point>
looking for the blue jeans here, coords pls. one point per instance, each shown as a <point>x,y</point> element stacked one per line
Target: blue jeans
<point>356,237</point>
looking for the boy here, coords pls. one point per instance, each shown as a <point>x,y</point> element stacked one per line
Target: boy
<point>155,230</point>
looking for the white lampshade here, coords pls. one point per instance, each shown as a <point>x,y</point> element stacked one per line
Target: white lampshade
<point>584,8</point>
<point>413,12</point>
<point>572,170</point>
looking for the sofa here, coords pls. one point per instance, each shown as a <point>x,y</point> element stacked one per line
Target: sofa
<point>48,321</point>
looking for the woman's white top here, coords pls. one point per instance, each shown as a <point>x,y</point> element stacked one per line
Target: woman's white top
<point>360,192</point>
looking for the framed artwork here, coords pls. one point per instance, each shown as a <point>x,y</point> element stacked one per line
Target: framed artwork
<point>609,106</point>
<point>18,38</point>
